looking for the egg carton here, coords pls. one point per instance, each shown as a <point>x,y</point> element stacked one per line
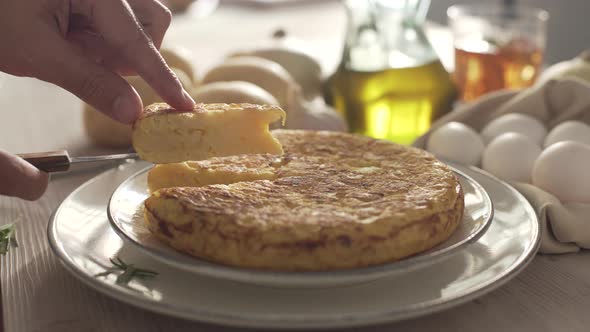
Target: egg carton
<point>536,139</point>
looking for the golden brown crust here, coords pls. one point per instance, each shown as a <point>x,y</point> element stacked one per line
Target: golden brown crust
<point>339,201</point>
<point>163,108</point>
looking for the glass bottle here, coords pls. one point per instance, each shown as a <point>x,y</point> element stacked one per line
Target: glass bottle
<point>390,83</point>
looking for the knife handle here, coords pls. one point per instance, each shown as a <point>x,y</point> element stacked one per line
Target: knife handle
<point>53,161</point>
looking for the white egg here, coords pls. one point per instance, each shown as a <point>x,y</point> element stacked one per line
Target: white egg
<point>511,157</point>
<point>456,142</point>
<point>563,169</point>
<point>569,131</point>
<point>517,123</point>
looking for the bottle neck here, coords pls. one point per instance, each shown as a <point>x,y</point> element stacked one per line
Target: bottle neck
<point>385,34</point>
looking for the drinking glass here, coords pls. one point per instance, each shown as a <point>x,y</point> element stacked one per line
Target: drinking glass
<point>496,47</point>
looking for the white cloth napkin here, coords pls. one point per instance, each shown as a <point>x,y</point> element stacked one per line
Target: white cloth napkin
<point>564,228</point>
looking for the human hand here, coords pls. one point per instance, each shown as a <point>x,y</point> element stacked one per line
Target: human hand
<point>21,179</point>
<point>84,45</point>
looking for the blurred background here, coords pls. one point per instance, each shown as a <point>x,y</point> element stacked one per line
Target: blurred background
<point>383,68</point>
<point>567,29</point>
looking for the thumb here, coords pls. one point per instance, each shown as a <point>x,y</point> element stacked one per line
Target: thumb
<point>21,179</point>
<point>103,89</point>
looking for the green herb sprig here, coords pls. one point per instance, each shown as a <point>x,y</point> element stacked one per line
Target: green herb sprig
<point>129,271</point>
<point>7,239</point>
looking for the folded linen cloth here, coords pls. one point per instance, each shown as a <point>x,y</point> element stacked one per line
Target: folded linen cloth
<point>564,228</point>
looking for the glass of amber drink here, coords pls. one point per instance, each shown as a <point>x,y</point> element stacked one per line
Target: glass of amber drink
<point>496,47</point>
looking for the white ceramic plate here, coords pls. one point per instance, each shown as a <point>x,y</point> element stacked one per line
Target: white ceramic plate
<point>125,211</point>
<point>80,235</point>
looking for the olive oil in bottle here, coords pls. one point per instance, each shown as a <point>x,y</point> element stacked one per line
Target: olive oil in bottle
<point>390,83</point>
<point>397,104</point>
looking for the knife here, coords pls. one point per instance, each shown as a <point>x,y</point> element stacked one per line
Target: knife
<point>60,161</point>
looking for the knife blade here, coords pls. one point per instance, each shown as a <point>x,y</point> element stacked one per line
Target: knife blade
<point>60,161</point>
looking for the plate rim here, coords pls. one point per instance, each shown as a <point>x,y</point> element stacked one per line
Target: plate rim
<point>345,276</point>
<point>238,320</point>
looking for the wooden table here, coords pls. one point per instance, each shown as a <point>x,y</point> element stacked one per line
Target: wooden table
<point>552,294</point>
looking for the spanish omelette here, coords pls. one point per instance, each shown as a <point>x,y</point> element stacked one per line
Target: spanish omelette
<point>165,135</point>
<point>331,201</point>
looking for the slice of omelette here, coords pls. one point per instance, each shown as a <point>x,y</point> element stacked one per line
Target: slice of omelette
<point>164,135</point>
<point>332,201</point>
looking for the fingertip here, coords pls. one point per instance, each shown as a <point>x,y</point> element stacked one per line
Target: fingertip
<point>174,93</point>
<point>19,178</point>
<point>189,102</point>
<point>35,181</point>
<point>127,108</point>
<point>39,183</point>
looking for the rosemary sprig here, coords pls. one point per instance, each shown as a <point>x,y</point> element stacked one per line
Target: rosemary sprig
<point>7,239</point>
<point>129,271</point>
